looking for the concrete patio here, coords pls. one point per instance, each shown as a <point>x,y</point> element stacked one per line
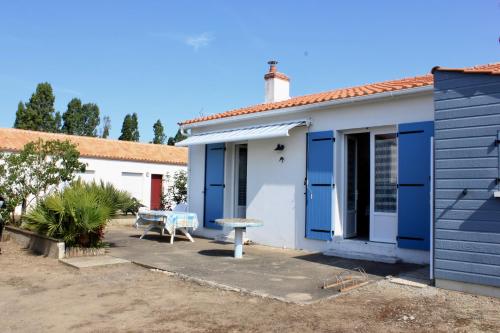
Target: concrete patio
<point>287,275</point>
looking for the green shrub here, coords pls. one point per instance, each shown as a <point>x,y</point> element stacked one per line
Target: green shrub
<point>116,200</point>
<point>77,215</point>
<point>131,205</point>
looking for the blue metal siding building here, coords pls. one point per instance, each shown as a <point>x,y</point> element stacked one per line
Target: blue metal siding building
<point>467,171</point>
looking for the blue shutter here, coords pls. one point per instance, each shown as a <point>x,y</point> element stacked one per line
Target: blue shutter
<point>414,162</point>
<point>319,185</point>
<point>214,185</point>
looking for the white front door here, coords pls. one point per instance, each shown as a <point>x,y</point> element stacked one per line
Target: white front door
<point>384,223</point>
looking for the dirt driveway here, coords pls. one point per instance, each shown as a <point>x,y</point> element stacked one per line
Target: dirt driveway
<point>42,295</point>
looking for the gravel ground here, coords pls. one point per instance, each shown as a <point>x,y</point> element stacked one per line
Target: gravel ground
<point>39,294</point>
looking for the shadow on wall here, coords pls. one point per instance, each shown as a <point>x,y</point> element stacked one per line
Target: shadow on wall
<point>484,218</point>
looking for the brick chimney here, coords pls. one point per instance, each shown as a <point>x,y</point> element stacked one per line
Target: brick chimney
<point>277,85</point>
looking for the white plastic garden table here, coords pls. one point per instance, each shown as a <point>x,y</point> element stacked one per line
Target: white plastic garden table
<point>239,226</point>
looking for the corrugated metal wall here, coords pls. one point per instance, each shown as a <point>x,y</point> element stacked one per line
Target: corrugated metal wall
<point>467,227</point>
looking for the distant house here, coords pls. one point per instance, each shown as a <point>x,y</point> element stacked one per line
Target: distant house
<point>135,167</point>
<point>347,172</point>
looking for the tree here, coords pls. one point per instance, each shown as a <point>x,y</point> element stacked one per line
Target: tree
<point>135,127</point>
<point>81,119</point>
<point>57,121</point>
<point>176,189</point>
<point>38,114</point>
<point>130,128</point>
<point>70,117</point>
<point>126,129</point>
<point>21,116</point>
<point>159,137</point>
<point>106,127</point>
<point>36,169</point>
<point>177,138</point>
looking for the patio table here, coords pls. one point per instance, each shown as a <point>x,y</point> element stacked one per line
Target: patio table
<point>168,221</point>
<point>239,226</point>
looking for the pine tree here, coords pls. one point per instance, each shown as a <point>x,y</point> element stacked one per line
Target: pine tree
<point>70,117</point>
<point>159,136</point>
<point>39,113</point>
<point>130,128</point>
<point>81,119</point>
<point>135,127</point>
<point>90,119</point>
<point>126,129</point>
<point>21,116</point>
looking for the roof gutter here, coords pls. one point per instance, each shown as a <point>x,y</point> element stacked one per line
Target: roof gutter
<point>308,107</point>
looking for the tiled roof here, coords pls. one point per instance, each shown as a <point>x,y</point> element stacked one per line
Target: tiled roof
<point>12,139</point>
<point>367,89</point>
<point>480,69</point>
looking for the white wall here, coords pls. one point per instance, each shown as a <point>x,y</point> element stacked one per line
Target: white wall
<point>134,177</point>
<point>276,90</point>
<point>276,190</point>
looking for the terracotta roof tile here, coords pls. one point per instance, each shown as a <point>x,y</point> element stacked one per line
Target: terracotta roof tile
<point>363,90</point>
<point>12,139</point>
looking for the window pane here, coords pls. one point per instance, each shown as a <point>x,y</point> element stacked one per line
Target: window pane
<point>385,173</point>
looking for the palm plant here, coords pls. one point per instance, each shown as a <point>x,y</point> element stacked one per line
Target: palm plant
<point>116,200</point>
<point>77,215</point>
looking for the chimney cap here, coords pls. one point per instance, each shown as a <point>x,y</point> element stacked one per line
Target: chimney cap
<point>273,73</point>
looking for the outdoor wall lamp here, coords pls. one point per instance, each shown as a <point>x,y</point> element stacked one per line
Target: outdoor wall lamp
<point>279,147</point>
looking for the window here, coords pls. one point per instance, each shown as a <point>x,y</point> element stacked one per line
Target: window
<point>132,174</point>
<point>385,173</point>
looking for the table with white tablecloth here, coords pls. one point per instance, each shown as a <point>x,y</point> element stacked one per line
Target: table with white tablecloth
<point>168,221</point>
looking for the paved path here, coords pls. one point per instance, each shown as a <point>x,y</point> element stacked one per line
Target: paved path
<point>288,275</point>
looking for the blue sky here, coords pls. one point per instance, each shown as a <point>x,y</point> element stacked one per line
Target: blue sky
<point>174,60</point>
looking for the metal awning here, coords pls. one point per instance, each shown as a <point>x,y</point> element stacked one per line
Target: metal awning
<point>242,134</point>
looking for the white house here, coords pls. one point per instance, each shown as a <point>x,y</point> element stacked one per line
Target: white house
<point>346,171</point>
<point>135,167</point>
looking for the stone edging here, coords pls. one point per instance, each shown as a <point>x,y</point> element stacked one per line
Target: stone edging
<point>48,246</point>
<point>72,252</point>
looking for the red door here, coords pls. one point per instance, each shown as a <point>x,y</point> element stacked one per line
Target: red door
<point>156,181</point>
